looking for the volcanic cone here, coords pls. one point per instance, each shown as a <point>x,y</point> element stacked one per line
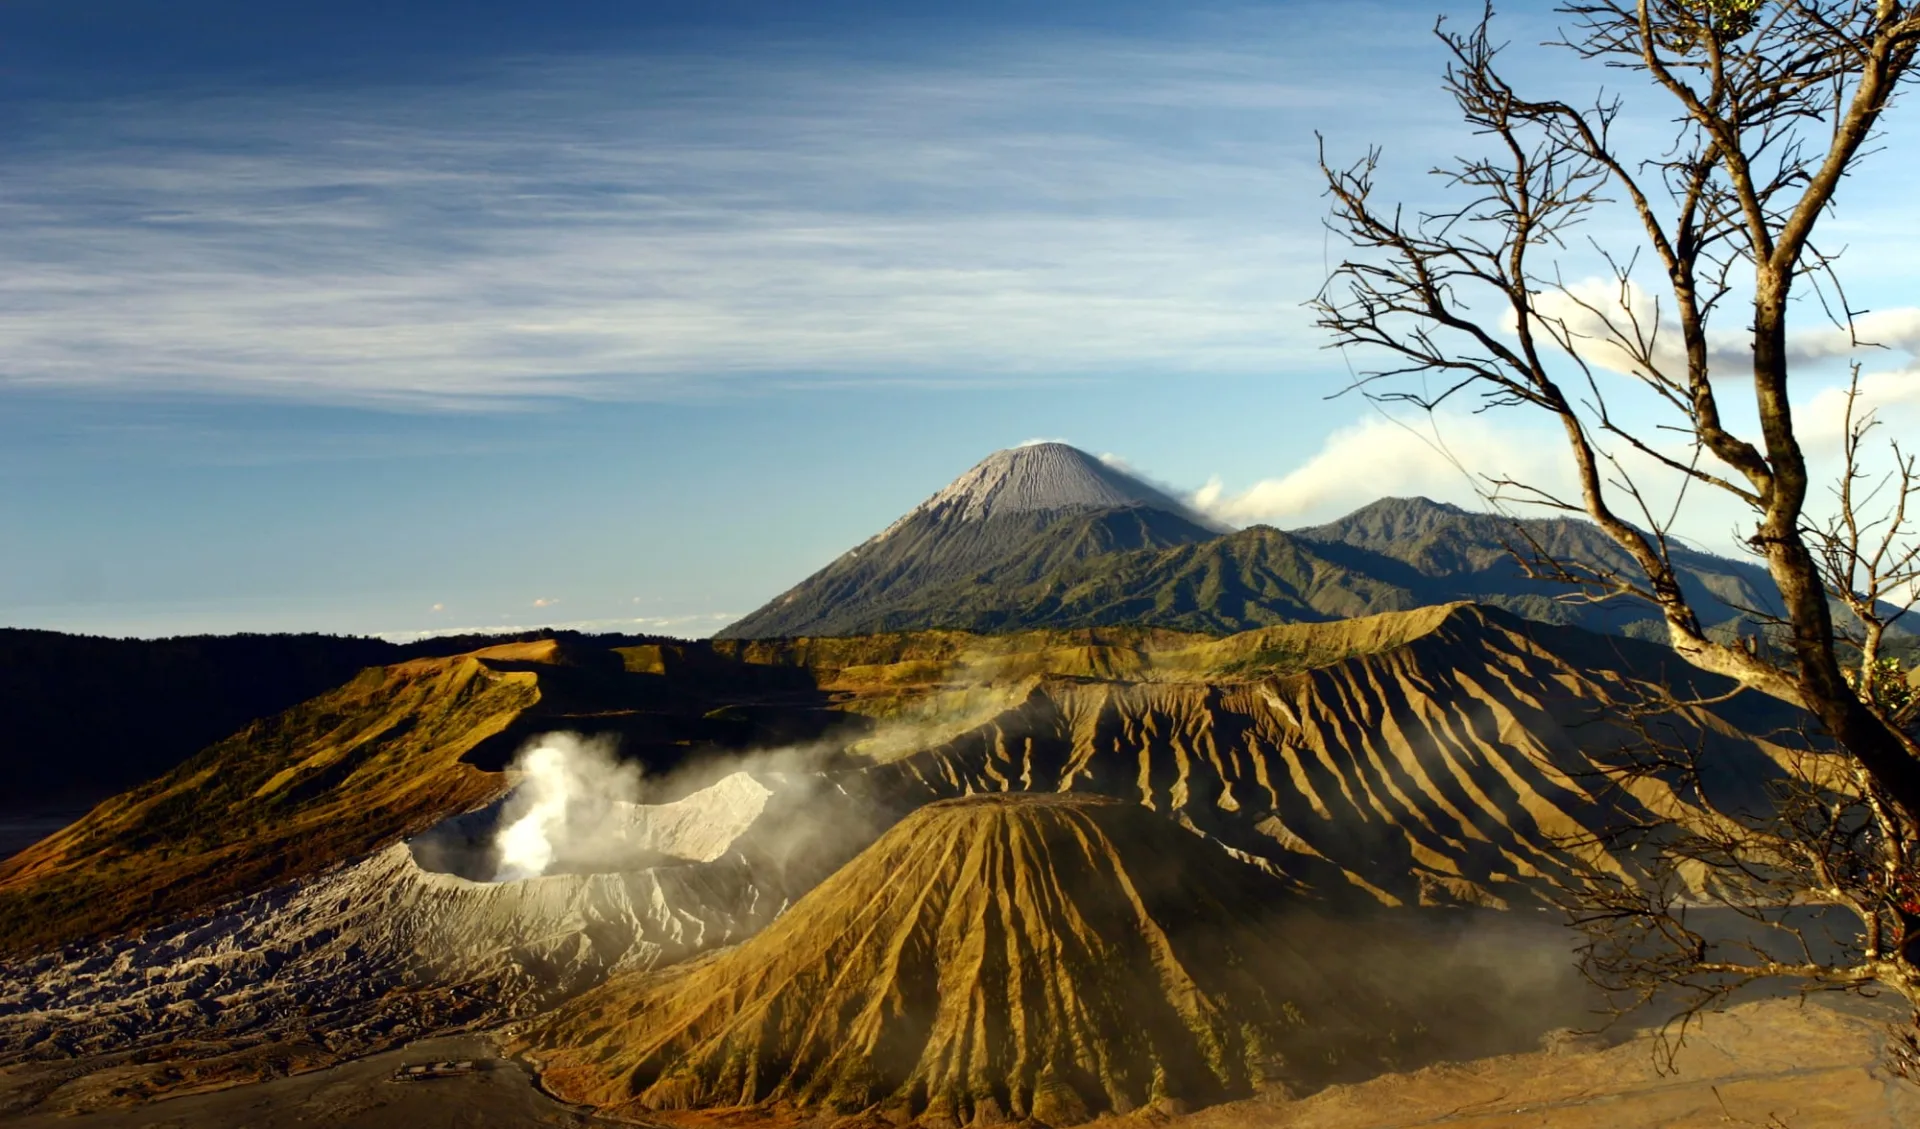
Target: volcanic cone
<point>1004,957</point>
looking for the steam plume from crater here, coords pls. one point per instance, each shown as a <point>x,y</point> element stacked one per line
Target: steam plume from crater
<point>568,803</point>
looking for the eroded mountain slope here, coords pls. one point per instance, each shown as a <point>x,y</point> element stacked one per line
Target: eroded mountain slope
<point>991,958</point>
<point>333,778</point>
<point>388,755</point>
<point>1442,755</point>
<point>385,947</point>
<point>1452,755</point>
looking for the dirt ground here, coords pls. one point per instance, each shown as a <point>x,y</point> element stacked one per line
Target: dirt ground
<point>353,1095</point>
<point>1774,1065</point>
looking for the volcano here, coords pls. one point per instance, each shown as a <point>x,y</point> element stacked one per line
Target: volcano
<point>1209,819</point>
<point>1047,536</point>
<point>1020,515</point>
<point>1050,478</point>
<point>996,957</point>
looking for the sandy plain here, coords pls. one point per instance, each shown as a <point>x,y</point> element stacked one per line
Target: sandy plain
<point>353,1095</point>
<point>1775,1064</point>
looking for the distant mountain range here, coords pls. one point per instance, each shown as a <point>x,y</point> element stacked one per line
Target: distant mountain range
<point>1042,536</point>
<point>1049,536</point>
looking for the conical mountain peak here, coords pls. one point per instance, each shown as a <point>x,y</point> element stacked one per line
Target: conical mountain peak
<point>1005,957</point>
<point>1042,478</point>
<point>1019,515</point>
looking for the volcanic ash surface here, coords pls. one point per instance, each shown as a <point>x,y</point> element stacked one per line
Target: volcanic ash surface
<point>384,948</point>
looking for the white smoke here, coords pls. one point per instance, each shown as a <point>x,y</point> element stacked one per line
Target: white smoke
<point>577,808</point>
<point>1445,457</point>
<point>567,804</point>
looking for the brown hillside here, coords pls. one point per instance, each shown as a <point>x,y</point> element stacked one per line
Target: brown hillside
<point>1051,958</point>
<point>1440,756</point>
<point>381,758</point>
<point>330,779</point>
<point>1434,756</point>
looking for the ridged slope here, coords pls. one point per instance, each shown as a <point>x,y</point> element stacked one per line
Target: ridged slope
<point>1447,760</point>
<point>957,563</point>
<point>385,756</point>
<point>1390,556</point>
<point>389,943</point>
<point>1258,577</point>
<point>333,778</point>
<point>1440,552</point>
<point>992,958</point>
<point>1023,513</point>
<point>1041,478</point>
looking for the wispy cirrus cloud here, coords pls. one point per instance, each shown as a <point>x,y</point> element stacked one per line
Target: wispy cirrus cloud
<point>1596,315</point>
<point>639,227</point>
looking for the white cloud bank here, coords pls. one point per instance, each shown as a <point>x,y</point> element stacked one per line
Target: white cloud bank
<point>1442,459</point>
<point>1453,456</point>
<point>1893,399</point>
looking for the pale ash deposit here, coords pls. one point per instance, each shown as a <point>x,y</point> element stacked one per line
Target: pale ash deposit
<point>1041,478</point>
<point>383,949</point>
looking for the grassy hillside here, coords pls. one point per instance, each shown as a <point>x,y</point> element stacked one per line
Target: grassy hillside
<point>336,776</point>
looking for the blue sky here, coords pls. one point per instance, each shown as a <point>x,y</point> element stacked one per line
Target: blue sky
<point>400,318</point>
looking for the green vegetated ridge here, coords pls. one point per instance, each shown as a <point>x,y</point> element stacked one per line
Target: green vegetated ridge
<point>1395,554</point>
<point>1448,553</point>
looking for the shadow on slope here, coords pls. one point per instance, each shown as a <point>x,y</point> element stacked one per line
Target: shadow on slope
<point>1052,958</point>
<point>391,753</point>
<point>1444,756</point>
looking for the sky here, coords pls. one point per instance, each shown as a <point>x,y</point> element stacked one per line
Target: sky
<point>376,318</point>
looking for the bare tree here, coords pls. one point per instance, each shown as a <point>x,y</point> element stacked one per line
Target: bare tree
<point>1774,102</point>
<point>1815,886</point>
